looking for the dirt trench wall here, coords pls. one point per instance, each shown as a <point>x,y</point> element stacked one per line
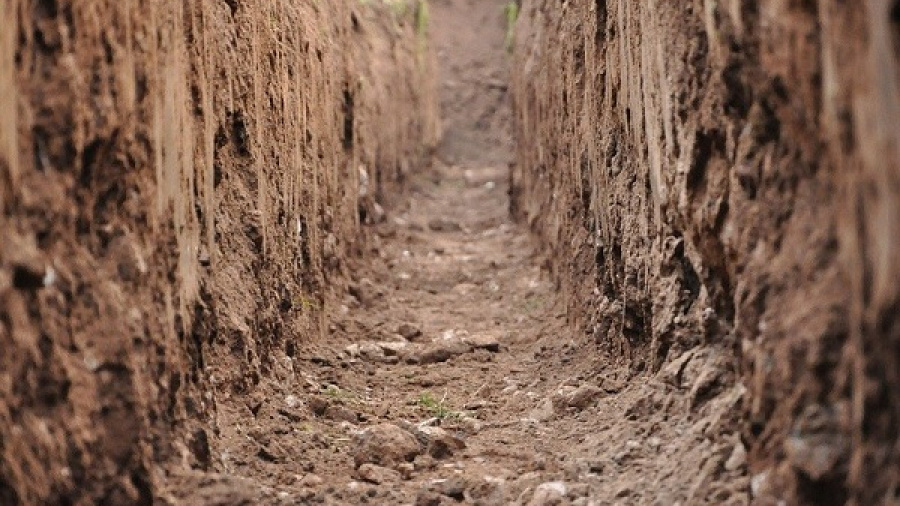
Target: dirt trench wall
<point>180,185</point>
<point>727,173</point>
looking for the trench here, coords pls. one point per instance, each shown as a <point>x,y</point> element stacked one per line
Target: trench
<point>450,373</point>
<point>437,252</point>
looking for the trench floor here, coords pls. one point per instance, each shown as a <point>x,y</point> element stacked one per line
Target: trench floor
<point>506,404</point>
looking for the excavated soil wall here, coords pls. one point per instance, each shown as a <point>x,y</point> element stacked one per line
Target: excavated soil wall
<point>725,175</point>
<point>181,184</point>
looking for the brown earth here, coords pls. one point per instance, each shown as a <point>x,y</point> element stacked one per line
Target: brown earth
<point>240,264</point>
<point>450,374</point>
<point>727,175</point>
<point>181,185</point>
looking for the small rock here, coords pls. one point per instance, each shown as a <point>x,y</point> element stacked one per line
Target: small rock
<point>489,492</point>
<point>311,481</point>
<point>377,214</point>
<point>439,443</point>
<point>444,225</point>
<point>431,498</point>
<point>584,396</point>
<point>409,331</point>
<point>545,411</point>
<point>423,462</point>
<point>759,484</point>
<point>364,291</point>
<point>465,289</point>
<point>385,445</point>
<point>406,470</point>
<point>441,350</point>
<point>454,488</point>
<point>363,181</point>
<point>816,455</point>
<point>549,494</point>
<point>305,495</point>
<point>591,466</point>
<point>624,491</point>
<point>706,381</point>
<point>371,351</point>
<point>575,398</point>
<point>442,444</point>
<point>377,474</point>
<point>352,351</point>
<point>738,458</point>
<point>341,414</point>
<point>476,405</point>
<point>579,490</point>
<point>393,348</point>
<point>483,342</point>
<point>317,405</point>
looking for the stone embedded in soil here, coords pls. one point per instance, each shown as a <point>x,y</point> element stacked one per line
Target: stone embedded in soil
<point>488,492</point>
<point>384,445</point>
<point>409,331</point>
<point>438,442</point>
<point>584,396</point>
<point>483,342</point>
<point>577,398</point>
<point>377,474</point>
<point>543,412</point>
<point>476,405</point>
<point>549,494</point>
<point>442,444</point>
<point>317,405</point>
<point>737,459</point>
<point>441,350</point>
<point>455,487</point>
<point>341,414</point>
<point>444,225</point>
<point>311,481</point>
<point>432,498</point>
<point>816,455</point>
<point>375,352</point>
<point>393,348</point>
<point>364,292</point>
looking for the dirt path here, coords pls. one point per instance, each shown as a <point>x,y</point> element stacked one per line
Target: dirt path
<point>488,399</point>
<point>450,374</point>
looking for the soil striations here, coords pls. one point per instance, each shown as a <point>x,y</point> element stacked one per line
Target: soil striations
<point>724,176</point>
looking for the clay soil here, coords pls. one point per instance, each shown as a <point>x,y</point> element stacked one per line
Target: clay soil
<point>452,333</point>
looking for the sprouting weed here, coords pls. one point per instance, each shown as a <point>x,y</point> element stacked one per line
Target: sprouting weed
<point>437,408</point>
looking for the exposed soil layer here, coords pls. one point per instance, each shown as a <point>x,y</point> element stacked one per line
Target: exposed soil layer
<point>727,175</point>
<point>181,183</point>
<point>240,265</point>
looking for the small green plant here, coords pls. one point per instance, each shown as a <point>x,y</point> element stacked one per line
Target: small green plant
<point>422,31</point>
<point>337,393</point>
<point>437,408</point>
<point>306,303</point>
<point>422,19</point>
<point>398,6</point>
<point>512,15</point>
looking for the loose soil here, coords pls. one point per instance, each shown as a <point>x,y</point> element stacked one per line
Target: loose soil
<point>620,439</point>
<point>451,336</point>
